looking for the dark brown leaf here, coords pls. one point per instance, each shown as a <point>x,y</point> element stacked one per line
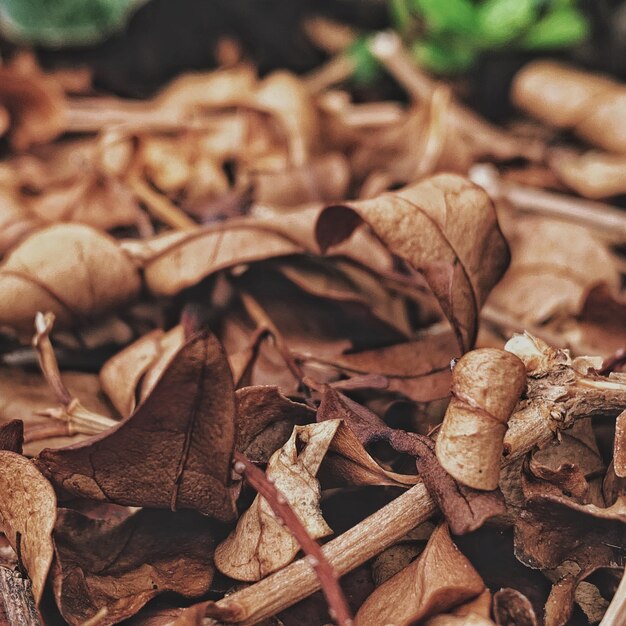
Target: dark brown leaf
<point>115,567</point>
<point>173,452</point>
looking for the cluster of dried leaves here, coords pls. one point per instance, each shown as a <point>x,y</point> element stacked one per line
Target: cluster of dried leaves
<point>213,317</point>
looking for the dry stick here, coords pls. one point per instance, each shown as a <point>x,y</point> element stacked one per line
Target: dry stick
<point>338,607</point>
<point>387,47</point>
<point>160,206</point>
<point>78,418</point>
<point>604,219</point>
<point>530,426</point>
<point>17,606</point>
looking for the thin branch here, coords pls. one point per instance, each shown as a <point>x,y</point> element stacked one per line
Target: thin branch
<point>78,418</point>
<point>326,575</point>
<point>604,219</point>
<point>160,206</point>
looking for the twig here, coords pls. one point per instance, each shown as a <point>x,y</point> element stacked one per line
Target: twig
<point>387,47</point>
<point>604,219</point>
<point>327,577</point>
<point>160,206</point>
<point>17,598</point>
<point>78,418</point>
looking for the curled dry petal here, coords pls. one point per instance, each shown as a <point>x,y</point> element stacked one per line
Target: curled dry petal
<point>173,452</point>
<point>115,566</point>
<point>28,509</point>
<point>440,579</point>
<point>444,227</point>
<point>34,277</point>
<point>261,544</point>
<point>486,386</point>
<point>593,106</point>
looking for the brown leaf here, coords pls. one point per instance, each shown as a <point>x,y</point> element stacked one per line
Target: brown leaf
<point>12,436</point>
<point>265,420</point>
<point>590,104</point>
<point>591,174</point>
<point>261,544</point>
<point>173,451</point>
<point>35,277</point>
<point>439,580</point>
<point>512,608</point>
<point>117,566</point>
<point>36,103</point>
<point>28,509</point>
<point>129,376</point>
<point>444,227</point>
<point>553,266</point>
<point>175,261</point>
<point>486,386</point>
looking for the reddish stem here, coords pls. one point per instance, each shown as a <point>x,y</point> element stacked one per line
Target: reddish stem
<point>337,605</point>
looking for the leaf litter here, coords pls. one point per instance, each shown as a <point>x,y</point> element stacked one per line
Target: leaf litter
<point>251,284</point>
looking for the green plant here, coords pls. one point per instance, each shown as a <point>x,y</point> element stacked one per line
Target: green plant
<point>63,22</point>
<point>447,36</point>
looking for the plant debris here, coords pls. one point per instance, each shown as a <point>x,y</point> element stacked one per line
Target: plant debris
<point>301,358</point>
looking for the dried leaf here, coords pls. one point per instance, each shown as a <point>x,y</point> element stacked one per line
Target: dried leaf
<point>115,567</point>
<point>12,436</point>
<point>439,580</point>
<point>445,228</point>
<point>129,376</point>
<point>261,544</point>
<point>486,385</point>
<point>265,420</point>
<point>591,174</point>
<point>554,264</point>
<point>34,276</point>
<point>174,451</point>
<point>590,104</point>
<point>27,516</point>
<point>35,102</point>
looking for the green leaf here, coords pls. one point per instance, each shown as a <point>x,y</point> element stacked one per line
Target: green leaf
<point>367,68</point>
<point>560,28</point>
<point>444,57</point>
<point>500,21</point>
<point>400,15</point>
<point>453,16</point>
<point>63,22</point>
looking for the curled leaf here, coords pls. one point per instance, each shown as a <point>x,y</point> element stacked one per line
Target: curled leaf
<point>261,544</point>
<point>444,227</point>
<point>34,275</point>
<point>12,436</point>
<point>28,509</point>
<point>486,385</point>
<point>590,104</point>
